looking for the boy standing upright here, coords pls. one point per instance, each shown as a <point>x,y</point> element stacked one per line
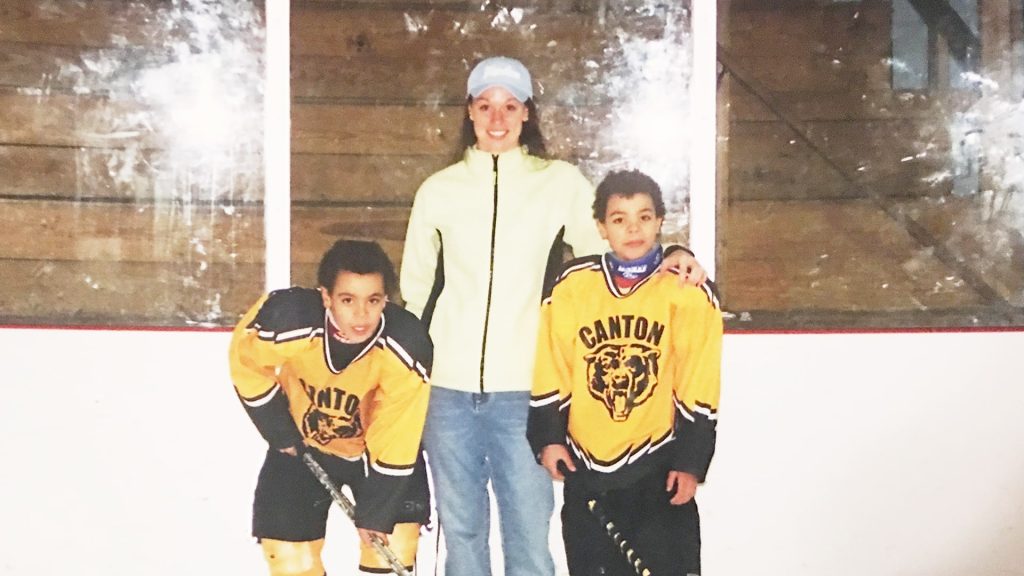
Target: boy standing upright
<point>625,392</point>
<point>341,373</point>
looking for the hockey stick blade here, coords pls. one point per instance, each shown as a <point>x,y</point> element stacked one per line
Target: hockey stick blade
<point>613,532</point>
<point>350,510</point>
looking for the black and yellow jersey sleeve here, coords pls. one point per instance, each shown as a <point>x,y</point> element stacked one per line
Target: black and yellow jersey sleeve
<point>551,393</point>
<point>394,419</point>
<point>278,327</point>
<point>696,378</point>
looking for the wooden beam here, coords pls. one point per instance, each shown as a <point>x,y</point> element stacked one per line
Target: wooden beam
<point>997,44</point>
<point>964,45</point>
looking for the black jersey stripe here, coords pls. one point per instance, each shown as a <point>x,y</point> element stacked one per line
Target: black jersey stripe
<point>701,409</point>
<point>392,470</point>
<point>588,263</point>
<point>566,402</point>
<point>437,287</point>
<point>627,457</point>
<point>712,296</point>
<point>543,399</point>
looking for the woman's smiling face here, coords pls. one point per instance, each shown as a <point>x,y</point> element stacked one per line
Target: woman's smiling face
<point>498,119</point>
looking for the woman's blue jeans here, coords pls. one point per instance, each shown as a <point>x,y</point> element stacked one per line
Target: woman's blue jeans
<point>471,438</point>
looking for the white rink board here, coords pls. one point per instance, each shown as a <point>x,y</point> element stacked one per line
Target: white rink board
<point>126,452</point>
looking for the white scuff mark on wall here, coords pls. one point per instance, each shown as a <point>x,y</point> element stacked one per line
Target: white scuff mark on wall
<point>175,115</point>
<point>506,18</point>
<point>988,137</point>
<point>647,80</point>
<point>896,64</point>
<point>985,178</point>
<point>414,24</point>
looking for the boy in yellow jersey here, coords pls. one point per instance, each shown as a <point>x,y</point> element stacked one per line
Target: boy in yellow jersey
<point>341,373</point>
<point>625,391</point>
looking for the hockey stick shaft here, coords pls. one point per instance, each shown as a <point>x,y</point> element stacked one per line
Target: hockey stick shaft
<point>613,532</point>
<point>616,535</point>
<point>350,510</point>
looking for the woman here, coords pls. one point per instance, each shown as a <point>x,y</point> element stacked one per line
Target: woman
<point>484,235</point>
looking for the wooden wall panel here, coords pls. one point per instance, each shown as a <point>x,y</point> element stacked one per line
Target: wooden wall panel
<point>828,79</point>
<point>49,172</point>
<point>76,173</point>
<point>846,256</point>
<point>34,65</point>
<point>426,130</point>
<point>374,130</point>
<point>432,31</point>
<point>766,161</point>
<point>981,234</point>
<point>424,55</point>
<point>840,47</point>
<point>769,161</point>
<point>164,233</point>
<point>38,171</point>
<point>320,227</point>
<point>378,92</point>
<point>359,178</point>
<point>85,231</point>
<point>827,105</point>
<point>66,120</point>
<point>94,23</point>
<point>106,293</point>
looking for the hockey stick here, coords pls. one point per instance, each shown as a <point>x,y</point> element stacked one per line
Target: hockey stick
<point>620,541</point>
<point>612,530</point>
<point>350,510</point>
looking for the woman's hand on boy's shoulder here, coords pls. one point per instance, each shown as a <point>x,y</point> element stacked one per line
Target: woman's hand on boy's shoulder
<point>690,271</point>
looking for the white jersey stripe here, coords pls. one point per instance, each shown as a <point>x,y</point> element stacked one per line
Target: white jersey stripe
<point>263,400</point>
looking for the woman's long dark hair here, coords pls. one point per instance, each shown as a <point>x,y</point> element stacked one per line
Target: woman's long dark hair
<point>530,136</point>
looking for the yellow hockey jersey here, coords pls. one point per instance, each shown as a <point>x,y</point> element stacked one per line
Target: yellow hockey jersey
<point>628,379</point>
<point>369,400</point>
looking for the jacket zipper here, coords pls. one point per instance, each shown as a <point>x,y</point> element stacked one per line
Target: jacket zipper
<point>490,278</point>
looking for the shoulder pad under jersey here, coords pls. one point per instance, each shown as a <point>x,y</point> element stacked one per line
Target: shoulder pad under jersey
<point>405,335</point>
<point>592,262</point>
<point>290,314</point>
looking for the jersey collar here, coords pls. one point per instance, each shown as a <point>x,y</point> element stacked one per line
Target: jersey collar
<point>329,342</point>
<point>607,270</point>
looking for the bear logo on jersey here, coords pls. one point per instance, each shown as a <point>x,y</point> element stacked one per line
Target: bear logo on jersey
<point>622,376</point>
<point>324,428</point>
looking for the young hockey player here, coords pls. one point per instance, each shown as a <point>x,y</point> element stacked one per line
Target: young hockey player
<point>625,392</point>
<point>342,373</point>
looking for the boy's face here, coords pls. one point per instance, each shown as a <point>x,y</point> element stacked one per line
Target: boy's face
<point>356,303</point>
<point>630,225</point>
